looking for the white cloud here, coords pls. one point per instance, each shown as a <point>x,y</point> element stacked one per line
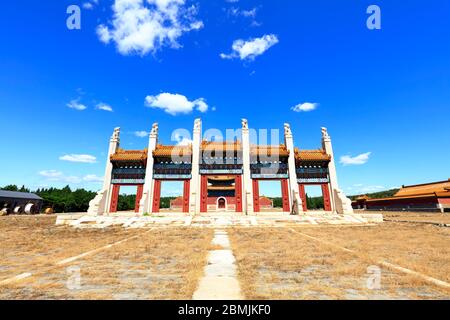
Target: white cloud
<point>75,104</point>
<point>58,176</point>
<point>236,12</point>
<point>363,189</point>
<point>143,26</point>
<point>181,140</point>
<point>104,107</point>
<point>249,50</point>
<point>82,158</point>
<point>175,103</point>
<point>141,134</point>
<point>305,107</point>
<point>92,178</point>
<point>357,160</point>
<point>249,13</point>
<point>88,6</point>
<point>50,174</point>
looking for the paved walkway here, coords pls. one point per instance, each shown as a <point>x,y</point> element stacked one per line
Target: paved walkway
<point>220,281</point>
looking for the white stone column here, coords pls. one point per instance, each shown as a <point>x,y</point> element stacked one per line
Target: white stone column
<point>194,197</point>
<point>247,196</point>
<point>145,205</point>
<point>100,204</point>
<point>294,193</point>
<point>339,202</point>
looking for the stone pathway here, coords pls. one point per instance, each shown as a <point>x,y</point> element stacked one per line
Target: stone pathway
<point>220,281</point>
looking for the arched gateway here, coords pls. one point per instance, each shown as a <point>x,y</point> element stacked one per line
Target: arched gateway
<point>220,176</point>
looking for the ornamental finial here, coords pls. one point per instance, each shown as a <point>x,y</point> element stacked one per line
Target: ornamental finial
<point>244,123</point>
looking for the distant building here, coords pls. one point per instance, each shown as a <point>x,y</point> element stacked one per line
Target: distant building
<point>20,202</point>
<point>221,203</point>
<point>432,197</point>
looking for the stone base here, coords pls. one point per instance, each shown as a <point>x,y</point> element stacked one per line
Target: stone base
<point>132,220</point>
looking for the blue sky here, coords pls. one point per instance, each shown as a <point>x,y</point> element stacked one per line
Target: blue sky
<point>384,92</point>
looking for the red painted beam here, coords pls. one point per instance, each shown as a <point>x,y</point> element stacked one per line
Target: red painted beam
<point>139,193</point>
<point>114,198</point>
<point>285,195</point>
<point>186,190</point>
<point>156,196</point>
<point>256,207</point>
<point>238,193</point>
<point>326,197</point>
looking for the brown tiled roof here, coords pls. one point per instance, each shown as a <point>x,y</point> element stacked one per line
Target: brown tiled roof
<point>311,155</point>
<point>129,155</point>
<point>436,189</point>
<point>219,188</point>
<point>270,150</point>
<point>221,178</point>
<point>441,188</point>
<point>169,151</point>
<point>221,146</point>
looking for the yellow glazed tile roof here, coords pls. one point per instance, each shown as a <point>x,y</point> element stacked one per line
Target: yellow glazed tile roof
<point>311,155</point>
<point>129,155</point>
<point>168,151</point>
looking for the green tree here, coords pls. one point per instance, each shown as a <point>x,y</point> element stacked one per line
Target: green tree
<point>10,187</point>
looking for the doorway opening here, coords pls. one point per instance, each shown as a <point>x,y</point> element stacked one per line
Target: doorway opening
<point>172,199</point>
<point>270,196</point>
<point>126,198</point>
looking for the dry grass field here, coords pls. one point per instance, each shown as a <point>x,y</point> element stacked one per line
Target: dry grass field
<point>286,264</point>
<point>418,217</point>
<point>306,262</point>
<point>158,264</point>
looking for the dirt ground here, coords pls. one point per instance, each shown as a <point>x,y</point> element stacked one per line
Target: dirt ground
<point>443,218</point>
<point>286,264</point>
<point>158,264</point>
<point>273,263</point>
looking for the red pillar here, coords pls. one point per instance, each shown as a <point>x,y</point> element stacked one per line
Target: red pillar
<point>186,188</point>
<point>114,198</point>
<point>285,195</point>
<point>256,207</point>
<point>140,191</point>
<point>204,194</point>
<point>238,192</point>
<point>156,196</point>
<point>301,187</point>
<point>326,197</point>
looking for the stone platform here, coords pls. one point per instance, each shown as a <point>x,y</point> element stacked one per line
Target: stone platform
<point>132,220</point>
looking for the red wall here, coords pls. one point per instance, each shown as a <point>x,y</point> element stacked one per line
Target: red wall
<point>213,200</point>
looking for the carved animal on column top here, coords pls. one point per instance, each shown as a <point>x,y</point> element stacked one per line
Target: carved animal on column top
<point>116,133</point>
<point>197,124</point>
<point>287,129</point>
<point>154,131</point>
<point>244,124</point>
<point>325,134</point>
